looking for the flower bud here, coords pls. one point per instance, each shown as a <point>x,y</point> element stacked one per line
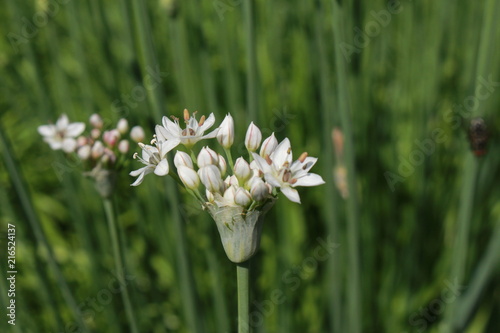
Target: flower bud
<point>207,157</point>
<point>182,159</point>
<point>95,133</point>
<point>268,146</point>
<point>122,126</point>
<point>210,177</point>
<point>258,189</point>
<point>81,141</point>
<point>231,180</point>
<point>222,165</point>
<point>123,146</point>
<point>97,150</point>
<point>229,196</point>
<point>96,121</point>
<point>253,137</point>
<point>225,134</point>
<point>111,137</point>
<point>189,177</point>
<point>137,134</point>
<point>210,196</point>
<point>242,169</point>
<point>84,152</point>
<point>242,197</point>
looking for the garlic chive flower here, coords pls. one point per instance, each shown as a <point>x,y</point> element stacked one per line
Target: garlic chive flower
<point>154,157</point>
<point>279,171</point>
<point>62,135</point>
<point>192,133</point>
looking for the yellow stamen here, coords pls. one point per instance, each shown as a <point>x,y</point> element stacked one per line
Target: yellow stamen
<point>302,157</point>
<point>293,181</point>
<point>268,159</point>
<point>186,114</point>
<point>202,120</point>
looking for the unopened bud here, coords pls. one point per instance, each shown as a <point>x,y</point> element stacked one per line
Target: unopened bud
<point>84,152</point>
<point>253,137</point>
<point>123,146</point>
<point>207,157</point>
<point>122,126</point>
<point>268,146</point>
<point>137,134</point>
<point>182,159</point>
<point>242,169</point>
<point>225,134</point>
<point>242,197</point>
<point>96,121</point>
<point>189,177</point>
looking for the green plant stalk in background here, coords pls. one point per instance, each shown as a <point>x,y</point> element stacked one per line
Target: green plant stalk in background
<point>118,258</point>
<point>354,310</point>
<point>22,191</point>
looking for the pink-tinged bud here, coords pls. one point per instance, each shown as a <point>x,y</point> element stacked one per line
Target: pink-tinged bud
<point>242,197</point>
<point>182,159</point>
<point>253,137</point>
<point>81,141</point>
<point>123,146</point>
<point>242,169</point>
<point>211,178</point>
<point>111,137</point>
<point>222,165</point>
<point>95,133</point>
<point>207,157</point>
<point>231,180</point>
<point>84,152</point>
<point>108,156</point>
<point>189,177</point>
<point>268,146</point>
<point>137,134</point>
<point>225,134</point>
<point>96,121</point>
<point>122,126</point>
<point>258,189</point>
<point>97,150</point>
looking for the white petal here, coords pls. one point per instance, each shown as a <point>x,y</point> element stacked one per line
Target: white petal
<point>171,127</point>
<point>162,168</point>
<point>162,134</point>
<point>305,166</point>
<point>146,170</point>
<point>47,130</point>
<point>210,135</point>
<point>137,172</point>
<point>62,122</point>
<point>272,180</point>
<point>75,129</point>
<point>54,144</point>
<point>208,123</point>
<point>311,179</point>
<point>147,151</point>
<point>291,194</point>
<point>282,154</point>
<point>69,145</point>
<point>261,163</point>
<point>167,146</point>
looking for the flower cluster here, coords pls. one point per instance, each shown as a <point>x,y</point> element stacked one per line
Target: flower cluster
<point>236,193</point>
<point>101,152</point>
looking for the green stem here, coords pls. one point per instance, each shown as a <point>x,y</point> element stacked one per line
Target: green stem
<point>229,158</point>
<point>242,270</point>
<point>252,97</point>
<point>117,254</point>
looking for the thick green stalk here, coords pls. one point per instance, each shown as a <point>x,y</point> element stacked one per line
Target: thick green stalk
<point>354,310</point>
<point>242,272</point>
<point>117,256</point>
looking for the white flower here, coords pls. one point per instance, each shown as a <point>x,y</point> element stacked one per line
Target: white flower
<point>253,137</point>
<point>154,159</point>
<point>189,177</point>
<point>268,145</point>
<point>188,136</point>
<point>225,134</point>
<point>207,157</point>
<point>62,134</point>
<point>279,171</point>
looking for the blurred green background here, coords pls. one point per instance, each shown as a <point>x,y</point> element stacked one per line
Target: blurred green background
<point>417,240</point>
